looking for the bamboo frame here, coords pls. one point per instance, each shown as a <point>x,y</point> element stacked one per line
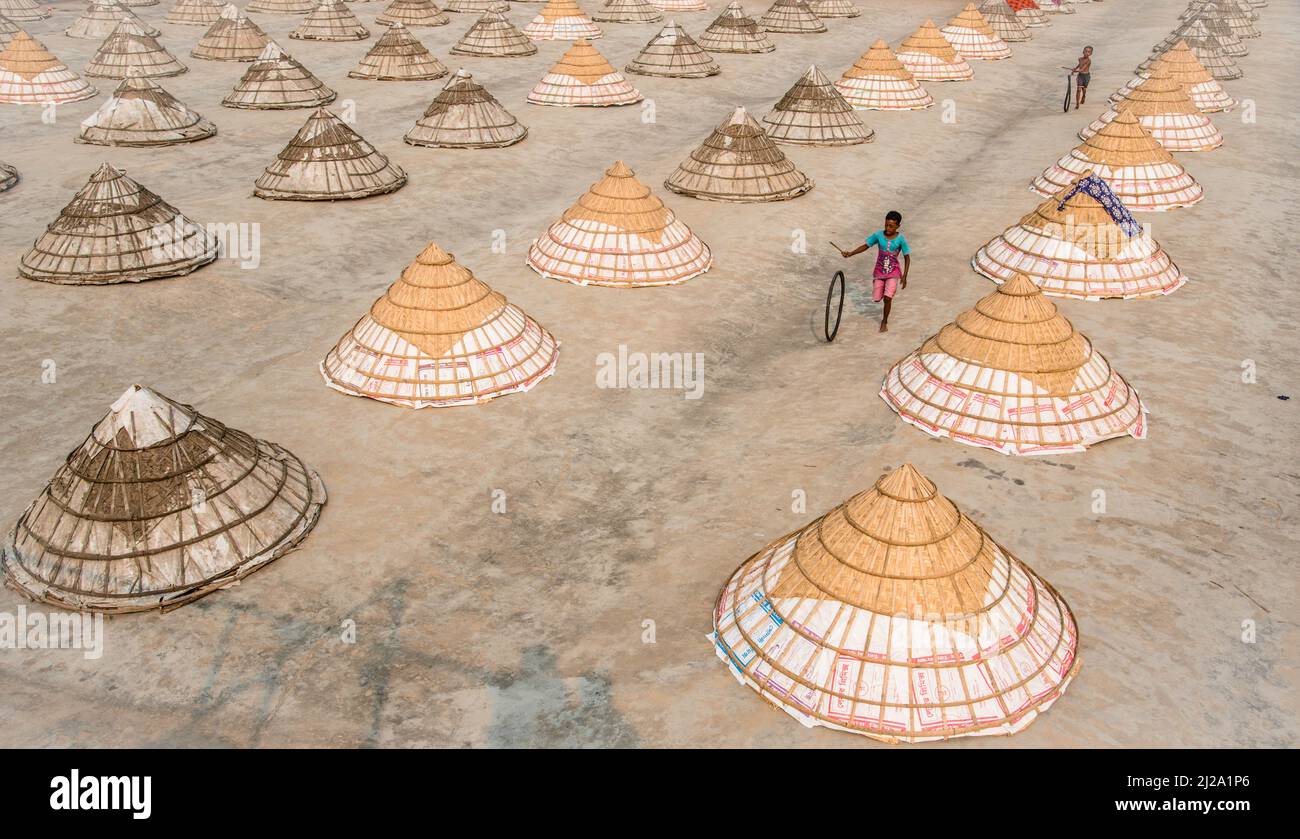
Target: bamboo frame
<point>673,53</point>
<point>1164,108</point>
<point>30,75</point>
<point>834,9</point>
<point>194,13</point>
<point>493,35</point>
<point>398,56</point>
<point>1181,64</point>
<point>277,81</point>
<point>735,31</point>
<point>879,81</point>
<point>328,161</point>
<point>101,17</point>
<point>929,57</point>
<point>973,38</point>
<point>1004,22</point>
<point>738,163</point>
<point>626,11</point>
<point>465,116</point>
<point>130,50</point>
<point>792,17</point>
<point>412,13</point>
<point>583,79</point>
<point>331,20</point>
<point>814,113</point>
<point>561,20</point>
<point>232,38</point>
<point>141,114</point>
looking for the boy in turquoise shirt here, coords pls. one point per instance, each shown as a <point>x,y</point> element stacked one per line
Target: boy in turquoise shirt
<point>890,272</point>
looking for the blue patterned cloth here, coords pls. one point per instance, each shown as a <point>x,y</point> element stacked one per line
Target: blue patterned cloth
<point>1100,190</point>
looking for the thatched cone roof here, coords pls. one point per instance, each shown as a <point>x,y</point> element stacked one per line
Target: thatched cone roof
<point>1003,21</point>
<point>232,38</point>
<point>1013,375</point>
<point>328,161</point>
<point>23,11</point>
<point>140,113</point>
<point>1208,51</point>
<point>494,35</point>
<point>439,337</point>
<point>412,13</point>
<point>129,49</point>
<point>879,81</point>
<point>834,8</point>
<point>1029,13</point>
<point>101,17</point>
<point>276,81</point>
<point>627,11</point>
<point>1078,250</point>
<point>673,53</point>
<point>116,231</point>
<point>1228,11</point>
<point>332,20</point>
<point>561,20</point>
<point>896,617</point>
<point>398,56</point>
<point>814,113</point>
<point>583,79</point>
<point>1164,108</point>
<point>159,506</point>
<point>973,38</point>
<point>619,234</point>
<point>1182,65</point>
<point>735,31</point>
<point>477,7</point>
<point>281,7</point>
<point>194,13</point>
<point>738,162</point>
<point>1232,46</point>
<point>931,58</point>
<point>29,75</point>
<point>792,17</point>
<point>8,177</point>
<point>1140,171</point>
<point>465,116</point>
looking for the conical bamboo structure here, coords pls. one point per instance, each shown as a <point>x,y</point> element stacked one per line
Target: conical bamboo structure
<point>232,38</point>
<point>1029,13</point>
<point>1013,375</point>
<point>834,8</point>
<point>29,75</point>
<point>619,234</point>
<point>398,56</point>
<point>24,11</point>
<point>159,506</point>
<point>1140,171</point>
<point>1208,51</point>
<point>1228,11</point>
<point>465,116</point>
<point>1003,21</point>
<point>1232,46</point>
<point>674,54</point>
<point>8,177</point>
<point>1164,108</point>
<point>896,617</point>
<point>477,7</point>
<point>562,20</point>
<point>814,113</point>
<point>495,36</point>
<point>440,337</point>
<point>973,38</point>
<point>332,20</point>
<point>140,113</point>
<point>879,81</point>
<point>282,7</point>
<point>116,231</point>
<point>1078,250</point>
<point>735,31</point>
<point>791,17</point>
<point>194,13</point>
<point>675,6</point>
<point>101,18</point>
<point>8,29</point>
<point>276,81</point>
<point>328,161</point>
<point>1183,67</point>
<point>411,13</point>
<point>930,58</point>
<point>129,50</point>
<point>627,11</point>
<point>583,79</point>
<point>738,163</point>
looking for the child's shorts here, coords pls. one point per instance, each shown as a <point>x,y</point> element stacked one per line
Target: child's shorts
<point>886,287</point>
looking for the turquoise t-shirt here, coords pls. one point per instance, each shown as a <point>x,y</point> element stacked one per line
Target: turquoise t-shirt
<point>895,245</point>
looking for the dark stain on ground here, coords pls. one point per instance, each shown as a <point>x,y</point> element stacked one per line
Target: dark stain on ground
<point>990,473</point>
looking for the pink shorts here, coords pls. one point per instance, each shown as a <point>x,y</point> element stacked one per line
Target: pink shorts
<point>886,287</point>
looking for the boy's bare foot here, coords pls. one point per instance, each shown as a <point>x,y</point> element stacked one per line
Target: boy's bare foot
<point>884,327</point>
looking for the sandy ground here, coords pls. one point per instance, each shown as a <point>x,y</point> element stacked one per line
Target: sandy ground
<point>626,506</point>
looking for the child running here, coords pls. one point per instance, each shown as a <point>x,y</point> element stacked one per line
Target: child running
<point>889,274</point>
<point>1083,70</point>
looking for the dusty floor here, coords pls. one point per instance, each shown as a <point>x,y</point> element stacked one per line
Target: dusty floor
<point>626,506</point>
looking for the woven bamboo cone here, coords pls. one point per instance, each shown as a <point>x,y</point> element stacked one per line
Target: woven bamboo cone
<point>194,13</point>
<point>834,9</point>
<point>477,7</point>
<point>30,75</point>
<point>8,177</point>
<point>738,163</point>
<point>328,161</point>
<point>1183,67</point>
<point>440,337</point>
<point>562,20</point>
<point>232,38</point>
<point>1229,11</point>
<point>1029,13</point>
<point>973,38</point>
<point>412,13</point>
<point>1078,251</point>
<point>398,56</point>
<point>619,234</point>
<point>1229,43</point>
<point>673,53</point>
<point>493,35</point>
<point>879,81</point>
<point>465,116</point>
<point>676,6</point>
<point>1003,21</point>
<point>129,50</point>
<point>736,32</point>
<point>896,617</point>
<point>1139,170</point>
<point>331,20</point>
<point>141,113</point>
<point>24,11</point>
<point>281,7</point>
<point>116,231</point>
<point>101,18</point>
<point>792,17</point>
<point>930,58</point>
<point>276,81</point>
<point>583,79</point>
<point>814,113</point>
<point>1163,107</point>
<point>627,11</point>
<point>1208,51</point>
<point>159,506</point>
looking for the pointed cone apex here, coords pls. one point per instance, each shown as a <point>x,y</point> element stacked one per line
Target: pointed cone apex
<point>159,506</point>
<point>619,234</point>
<point>130,50</point>
<point>140,113</point>
<point>674,54</point>
<point>738,162</point>
<point>101,18</point>
<point>413,13</point>
<point>116,231</point>
<point>440,337</point>
<point>332,20</point>
<point>398,56</point>
<point>232,38</point>
<point>973,38</point>
<point>282,7</point>
<point>1163,107</point>
<point>792,17</point>
<point>1003,21</point>
<point>561,20</point>
<point>879,81</point>
<point>736,32</point>
<point>929,56</point>
<point>583,78</point>
<point>465,116</point>
<point>194,13</point>
<point>627,11</point>
<point>834,8</point>
<point>1182,65</point>
<point>328,161</point>
<point>24,10</point>
<point>494,35</point>
<point>276,81</point>
<point>934,630</point>
<point>814,113</point>
<point>29,75</point>
<point>1207,49</point>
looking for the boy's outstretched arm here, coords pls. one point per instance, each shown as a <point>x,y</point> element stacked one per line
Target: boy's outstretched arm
<point>859,249</point>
